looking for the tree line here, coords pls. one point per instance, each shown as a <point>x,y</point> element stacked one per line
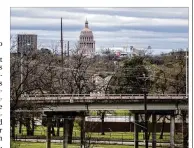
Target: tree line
<point>47,73</point>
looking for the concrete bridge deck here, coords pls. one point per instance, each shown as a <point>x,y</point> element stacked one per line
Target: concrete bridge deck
<point>53,104</point>
<point>84,102</point>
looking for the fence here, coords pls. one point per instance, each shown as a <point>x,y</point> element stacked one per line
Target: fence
<point>110,137</point>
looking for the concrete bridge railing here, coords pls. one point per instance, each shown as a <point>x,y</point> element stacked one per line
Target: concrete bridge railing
<point>75,98</point>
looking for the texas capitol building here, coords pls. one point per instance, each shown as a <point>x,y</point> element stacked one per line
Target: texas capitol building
<point>86,42</point>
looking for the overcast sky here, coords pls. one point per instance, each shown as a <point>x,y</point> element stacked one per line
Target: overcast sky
<point>161,28</point>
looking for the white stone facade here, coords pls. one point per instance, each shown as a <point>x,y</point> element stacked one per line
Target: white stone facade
<point>86,42</point>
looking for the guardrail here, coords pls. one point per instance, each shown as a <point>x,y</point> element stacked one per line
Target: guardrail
<point>100,95</point>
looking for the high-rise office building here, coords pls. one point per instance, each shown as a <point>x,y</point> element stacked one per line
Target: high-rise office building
<point>26,43</point>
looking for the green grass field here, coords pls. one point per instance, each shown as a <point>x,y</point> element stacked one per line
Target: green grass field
<point>41,131</point>
<point>55,145</point>
<point>114,113</point>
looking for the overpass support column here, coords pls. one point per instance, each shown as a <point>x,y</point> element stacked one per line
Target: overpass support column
<point>48,134</point>
<point>82,130</point>
<point>172,129</point>
<point>136,140</point>
<point>184,130</point>
<point>65,132</point>
<point>153,130</point>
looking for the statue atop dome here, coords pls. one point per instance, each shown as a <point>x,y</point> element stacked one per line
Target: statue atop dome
<point>86,23</point>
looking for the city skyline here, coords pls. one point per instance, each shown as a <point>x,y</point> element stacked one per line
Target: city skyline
<point>163,29</point>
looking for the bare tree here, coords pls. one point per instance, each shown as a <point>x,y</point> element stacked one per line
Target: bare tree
<point>27,70</point>
<point>171,76</point>
<point>76,77</point>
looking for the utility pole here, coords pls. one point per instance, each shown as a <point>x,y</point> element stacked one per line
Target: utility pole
<point>186,56</point>
<point>146,118</point>
<point>144,78</point>
<point>62,41</point>
<point>21,69</point>
<point>61,38</point>
<point>68,49</point>
<point>62,49</point>
<point>21,64</point>
<point>62,59</point>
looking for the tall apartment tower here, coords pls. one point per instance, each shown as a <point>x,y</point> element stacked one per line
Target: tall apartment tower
<point>26,43</point>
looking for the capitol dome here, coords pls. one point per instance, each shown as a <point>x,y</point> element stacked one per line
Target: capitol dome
<point>86,32</point>
<point>86,41</point>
